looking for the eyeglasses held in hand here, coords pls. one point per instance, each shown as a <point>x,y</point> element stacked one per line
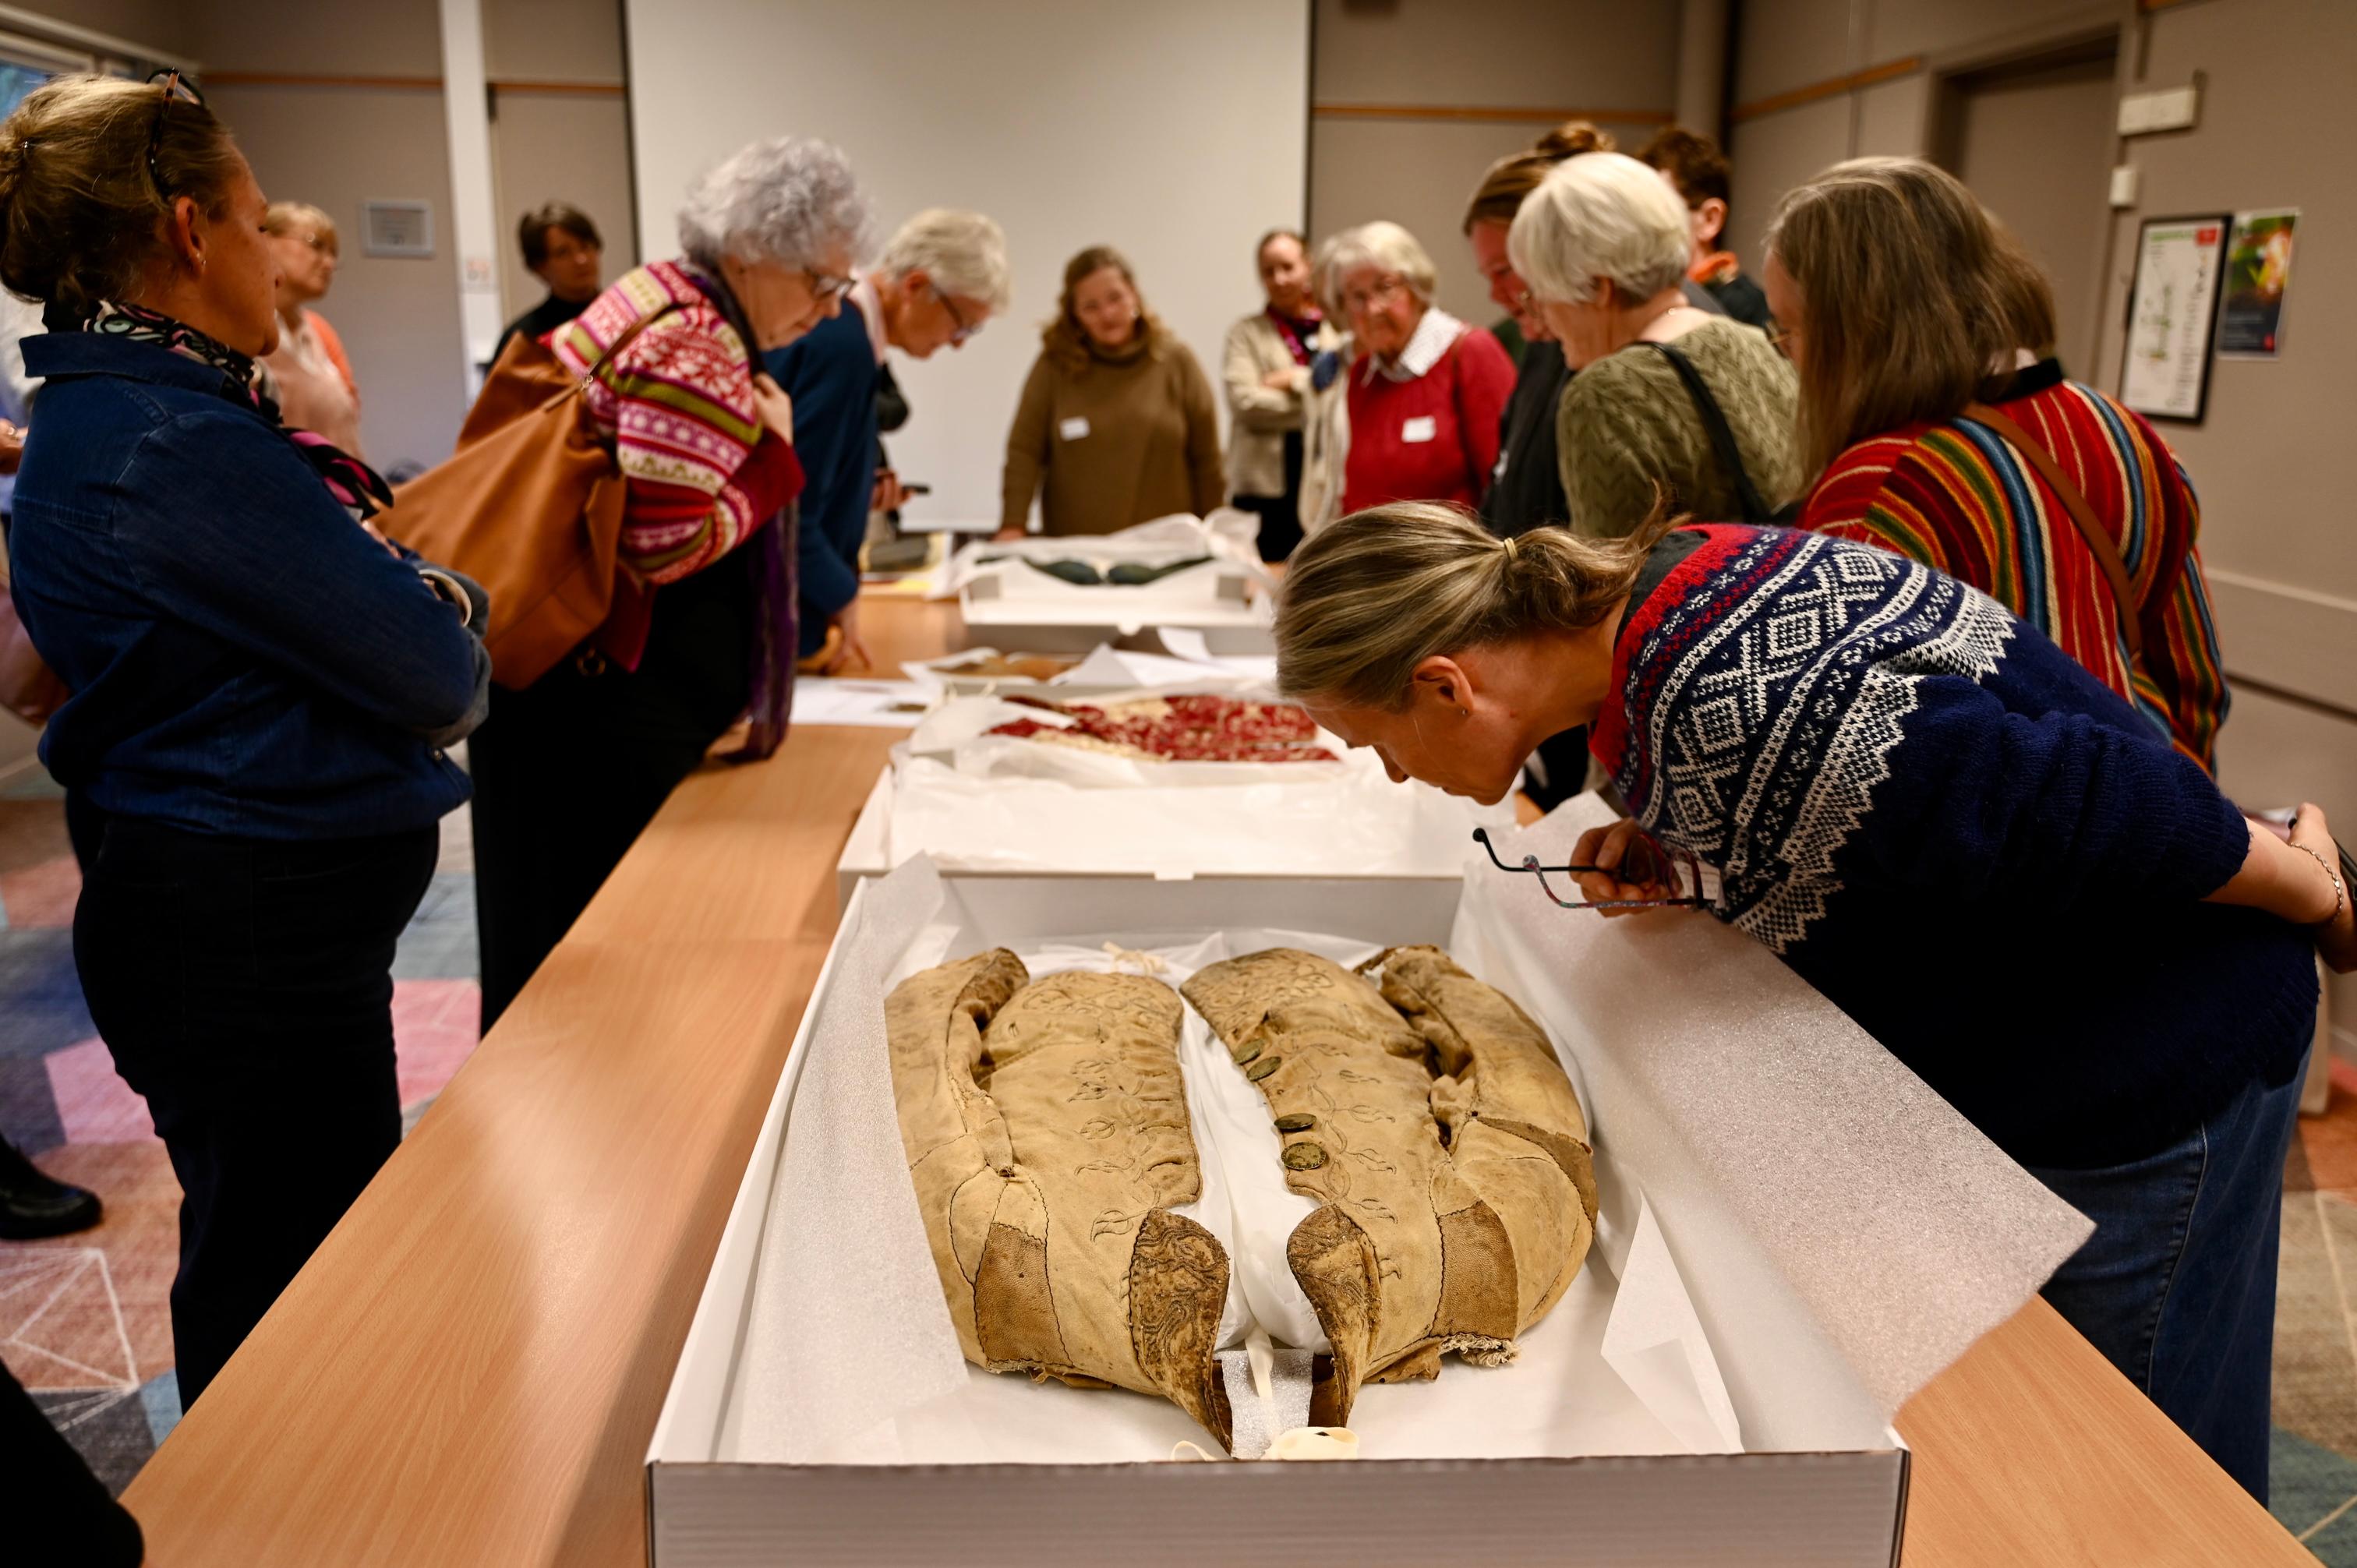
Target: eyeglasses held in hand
<point>1645,861</point>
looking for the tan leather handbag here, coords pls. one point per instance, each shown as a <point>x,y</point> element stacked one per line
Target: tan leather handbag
<point>530,506</point>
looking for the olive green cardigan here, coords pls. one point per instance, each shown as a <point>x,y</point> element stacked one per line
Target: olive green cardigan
<point>1627,424</point>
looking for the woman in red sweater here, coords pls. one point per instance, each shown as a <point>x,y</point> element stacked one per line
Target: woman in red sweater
<point>1428,391</point>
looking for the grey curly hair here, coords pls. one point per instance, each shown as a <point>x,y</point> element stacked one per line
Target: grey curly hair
<point>788,200</point>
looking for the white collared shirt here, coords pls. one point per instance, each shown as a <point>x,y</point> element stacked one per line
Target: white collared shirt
<point>871,310</point>
<point>1426,345</point>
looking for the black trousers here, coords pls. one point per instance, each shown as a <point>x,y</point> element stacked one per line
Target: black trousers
<point>58,1511</point>
<point>1280,516</point>
<point>245,989</point>
<point>570,771</point>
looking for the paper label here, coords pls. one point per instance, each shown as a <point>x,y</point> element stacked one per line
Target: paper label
<point>1424,427</point>
<point>1076,427</point>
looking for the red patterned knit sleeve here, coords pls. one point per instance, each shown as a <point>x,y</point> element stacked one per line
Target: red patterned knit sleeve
<point>702,472</point>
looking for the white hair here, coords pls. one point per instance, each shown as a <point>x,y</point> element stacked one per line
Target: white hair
<point>963,253</point>
<point>789,200</point>
<point>1386,247</point>
<point>1601,217</point>
<point>1325,283</point>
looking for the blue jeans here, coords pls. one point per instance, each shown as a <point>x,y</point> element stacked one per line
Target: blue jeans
<point>2176,1287</point>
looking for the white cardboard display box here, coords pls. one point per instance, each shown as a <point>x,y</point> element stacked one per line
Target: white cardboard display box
<point>1038,827</point>
<point>1227,597</point>
<point>1885,1246</point>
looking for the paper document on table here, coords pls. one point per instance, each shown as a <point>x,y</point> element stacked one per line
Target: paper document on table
<point>871,705</point>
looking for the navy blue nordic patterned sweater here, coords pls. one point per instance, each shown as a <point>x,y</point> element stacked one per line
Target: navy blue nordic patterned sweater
<point>831,373</point>
<point>1968,843</point>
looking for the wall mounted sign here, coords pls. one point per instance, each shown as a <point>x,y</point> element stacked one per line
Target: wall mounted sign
<point>2258,271</point>
<point>396,229</point>
<point>2166,371</point>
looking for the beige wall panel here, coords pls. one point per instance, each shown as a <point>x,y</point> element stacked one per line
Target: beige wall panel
<point>1895,29</point>
<point>399,319</point>
<point>2037,150</point>
<point>2275,628</point>
<point>1783,44</point>
<point>2275,132</point>
<point>554,40</point>
<point>1581,54</point>
<point>1419,174</point>
<point>2274,753</point>
<point>1775,152</point>
<point>165,26</point>
<point>559,147</point>
<point>384,37</point>
<point>1893,118</point>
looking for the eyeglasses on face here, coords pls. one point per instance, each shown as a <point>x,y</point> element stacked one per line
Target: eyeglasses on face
<point>1365,299</point>
<point>1645,861</point>
<point>961,328</point>
<point>825,288</point>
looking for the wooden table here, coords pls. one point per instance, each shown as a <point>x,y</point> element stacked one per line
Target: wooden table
<point>470,1369</point>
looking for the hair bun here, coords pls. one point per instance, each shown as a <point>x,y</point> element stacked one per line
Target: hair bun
<point>1572,138</point>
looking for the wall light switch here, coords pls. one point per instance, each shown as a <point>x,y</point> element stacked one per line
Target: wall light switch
<point>2126,180</point>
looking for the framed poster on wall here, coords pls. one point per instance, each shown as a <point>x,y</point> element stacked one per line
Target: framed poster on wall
<point>2172,310</point>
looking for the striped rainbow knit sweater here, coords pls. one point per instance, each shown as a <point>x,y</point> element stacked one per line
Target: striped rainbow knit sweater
<point>1955,496</point>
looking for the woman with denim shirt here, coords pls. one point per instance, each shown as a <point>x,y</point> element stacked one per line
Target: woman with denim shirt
<point>263,688</point>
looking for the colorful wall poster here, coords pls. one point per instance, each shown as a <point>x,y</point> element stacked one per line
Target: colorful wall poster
<point>2258,271</point>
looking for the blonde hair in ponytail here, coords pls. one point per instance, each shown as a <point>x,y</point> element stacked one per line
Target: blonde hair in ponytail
<point>1370,598</point>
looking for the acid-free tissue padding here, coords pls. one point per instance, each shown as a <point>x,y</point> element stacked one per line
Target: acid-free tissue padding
<point>1410,1254</point>
<point>1047,1134</point>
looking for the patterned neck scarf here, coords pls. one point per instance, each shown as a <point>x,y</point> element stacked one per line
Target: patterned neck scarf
<point>1298,332</point>
<point>360,489</point>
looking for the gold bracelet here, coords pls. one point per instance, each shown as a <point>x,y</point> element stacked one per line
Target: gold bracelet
<point>2340,890</point>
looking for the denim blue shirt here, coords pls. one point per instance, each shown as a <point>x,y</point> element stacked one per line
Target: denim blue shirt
<point>147,498</point>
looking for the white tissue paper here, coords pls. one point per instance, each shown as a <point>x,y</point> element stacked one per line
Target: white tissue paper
<point>848,1355</point>
<point>1903,1230</point>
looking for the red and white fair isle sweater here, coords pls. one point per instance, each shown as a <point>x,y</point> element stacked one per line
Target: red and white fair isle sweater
<point>701,473</point>
<point>1426,428</point>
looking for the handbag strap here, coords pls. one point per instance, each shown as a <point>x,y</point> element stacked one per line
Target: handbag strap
<point>2100,543</point>
<point>1756,510</point>
<point>613,350</point>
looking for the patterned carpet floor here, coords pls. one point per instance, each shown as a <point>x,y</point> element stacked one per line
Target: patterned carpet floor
<point>84,1323</point>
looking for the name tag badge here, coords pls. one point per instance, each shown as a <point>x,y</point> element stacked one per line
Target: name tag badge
<point>1422,428</point>
<point>1077,427</point>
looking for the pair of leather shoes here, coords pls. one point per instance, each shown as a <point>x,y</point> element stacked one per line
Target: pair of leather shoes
<point>33,1206</point>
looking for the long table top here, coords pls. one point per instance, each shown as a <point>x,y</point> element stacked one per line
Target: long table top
<point>470,1369</point>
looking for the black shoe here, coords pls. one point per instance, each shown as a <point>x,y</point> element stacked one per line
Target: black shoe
<point>33,1206</point>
